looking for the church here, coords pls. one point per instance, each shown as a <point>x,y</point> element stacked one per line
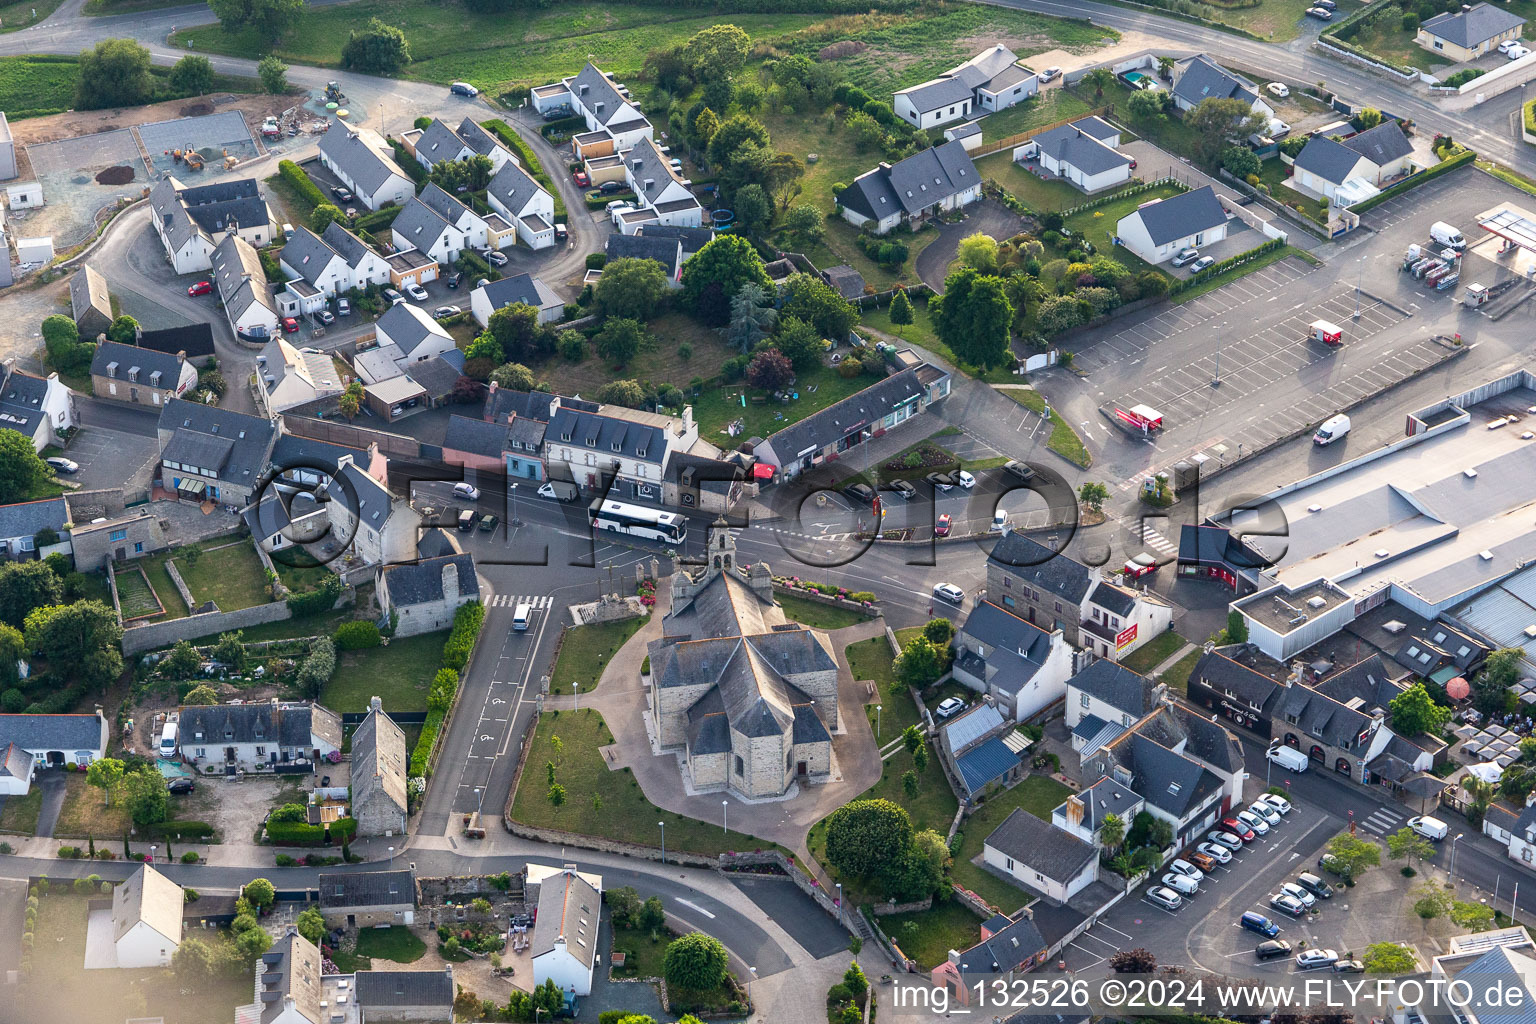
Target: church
<point>748,697</point>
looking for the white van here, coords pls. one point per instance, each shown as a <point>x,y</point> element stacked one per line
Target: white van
<point>1430,828</point>
<point>1443,233</point>
<point>168,740</point>
<point>520,617</point>
<point>1288,757</point>
<point>1333,428</point>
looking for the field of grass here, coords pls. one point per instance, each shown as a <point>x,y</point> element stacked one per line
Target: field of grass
<point>1388,40</point>
<point>1153,653</point>
<point>298,569</point>
<point>643,951</point>
<point>1277,20</point>
<point>1037,794</point>
<point>401,674</point>
<point>230,576</point>
<point>934,932</point>
<point>85,814</point>
<point>493,51</point>
<point>1046,108</point>
<point>623,812</point>
<point>920,332</point>
<point>659,364</point>
<point>398,944</point>
<point>20,14</point>
<point>36,84</point>
<point>1177,674</point>
<point>20,812</point>
<point>1064,440</point>
<point>717,407</point>
<point>586,650</point>
<point>871,659</point>
<point>135,595</point>
<point>817,615</point>
<point>1038,195</point>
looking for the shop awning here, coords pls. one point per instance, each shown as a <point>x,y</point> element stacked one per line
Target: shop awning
<point>192,486</point>
<point>762,472</point>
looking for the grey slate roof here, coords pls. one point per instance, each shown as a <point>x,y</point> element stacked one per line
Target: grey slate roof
<point>1007,634</point>
<point>407,326</point>
<point>1055,853</point>
<point>196,340</point>
<point>1103,798</point>
<point>289,725</point>
<point>1007,949</point>
<point>244,441</point>
<point>1329,160</point>
<point>443,204</point>
<point>367,166</point>
<point>26,518</point>
<point>21,403</point>
<point>1117,600</point>
<point>361,495</point>
<point>1182,215</point>
<point>527,433</point>
<point>837,420</point>
<point>347,245</point>
<point>666,251</point>
<point>938,93</point>
<point>1321,716</point>
<point>523,288</point>
<point>405,989</point>
<point>1041,566</point>
<point>478,437</point>
<point>568,907</point>
<point>501,403</point>
<point>607,435</point>
<point>419,225</point>
<point>15,762</point>
<point>514,188</point>
<point>1222,674</point>
<point>599,89</point>
<point>437,375</point>
<point>172,216</point>
<point>1472,28</point>
<point>848,283</point>
<point>436,542</point>
<point>693,239</point>
<point>1367,680</point>
<point>215,207</point>
<point>1073,145</point>
<point>268,517</point>
<point>438,142</point>
<point>89,299</point>
<point>1210,742</point>
<point>293,451</point>
<point>1203,80</point>
<point>379,768</point>
<point>922,180</point>
<point>340,889</point>
<point>53,732</point>
<point>421,582</point>
<point>291,968</point>
<point>653,167</point>
<point>476,137</point>
<point>1167,779</point>
<point>307,255</point>
<point>1381,145</point>
<point>1117,686</point>
<point>127,357</point>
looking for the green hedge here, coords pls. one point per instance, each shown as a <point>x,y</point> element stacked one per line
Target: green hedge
<point>182,829</point>
<point>461,641</point>
<point>531,164</point>
<point>1340,34</point>
<point>428,737</point>
<point>343,830</point>
<point>295,833</point>
<point>408,163</point>
<point>1530,116</point>
<point>573,125</point>
<point>307,189</point>
<point>1217,269</point>
<point>376,220</point>
<point>313,602</point>
<point>601,202</point>
<point>1442,167</point>
<point>354,636</point>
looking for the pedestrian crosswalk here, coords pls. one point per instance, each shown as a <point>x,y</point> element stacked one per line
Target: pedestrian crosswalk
<point>1156,541</point>
<point>1382,821</point>
<point>534,601</point>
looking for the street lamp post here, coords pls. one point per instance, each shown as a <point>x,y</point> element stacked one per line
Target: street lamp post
<point>725,816</point>
<point>391,856</point>
<point>479,799</point>
<point>152,854</point>
<point>1451,874</point>
<point>877,721</point>
<point>1359,271</point>
<point>663,826</point>
<point>576,690</point>
<point>1216,380</point>
<point>839,904</point>
<point>515,521</point>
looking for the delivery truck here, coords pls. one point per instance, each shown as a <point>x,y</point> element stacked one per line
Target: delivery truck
<point>1288,758</point>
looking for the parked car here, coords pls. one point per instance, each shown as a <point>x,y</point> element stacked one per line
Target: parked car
<point>999,522</point>
<point>1314,885</point>
<point>1185,868</point>
<point>1279,89</point>
<point>1292,889</point>
<point>557,113</point>
<point>1255,824</point>
<point>1263,810</point>
<point>1204,861</point>
<point>965,479</point>
<point>949,592</point>
<point>1050,74</point>
<point>342,194</point>
<point>1320,13</point>
<point>1348,967</point>
<point>200,288</point>
<point>1516,52</point>
<point>608,188</point>
<point>861,493</point>
<point>394,297</point>
<point>1279,803</point>
<point>1019,469</point>
<point>417,292</point>
<point>63,465</point>
<point>1508,44</point>
<point>949,707</point>
<point>940,481</point>
<point>325,316</point>
<point>1430,828</point>
<point>290,325</point>
<point>1331,864</point>
<point>463,89</point>
<point>1216,851</point>
<point>488,522</point>
<point>581,179</point>
<point>562,232</point>
<point>496,258</point>
<point>1185,255</point>
<point>180,786</point>
<point>1269,949</point>
<point>1237,828</point>
<point>903,488</point>
<point>560,490</point>
<point>466,491</point>
<point>1182,884</point>
<point>1165,897</point>
<point>943,526</point>
<point>1226,839</point>
<point>455,279</point>
<point>1201,264</point>
<point>444,312</point>
<point>343,307</point>
<point>1140,565</point>
<point>466,520</point>
<point>1254,921</point>
<point>1310,959</point>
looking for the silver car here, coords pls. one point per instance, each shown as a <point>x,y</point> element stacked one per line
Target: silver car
<point>1185,255</point>
<point>1165,897</point>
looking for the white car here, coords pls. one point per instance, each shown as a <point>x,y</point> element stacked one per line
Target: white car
<point>1218,853</point>
<point>394,297</point>
<point>417,292</point>
<point>62,465</point>
<point>1165,897</point>
<point>1279,89</point>
<point>1508,44</point>
<point>496,258</point>
<point>1287,904</point>
<point>965,479</point>
<point>949,707</point>
<point>949,592</point>
<point>1297,892</point>
<point>1181,883</point>
<point>1185,868</point>
<point>1257,824</point>
<point>444,312</point>
<point>1265,811</point>
<point>1516,52</point>
<point>1308,959</point>
<point>466,491</point>
<point>1279,803</point>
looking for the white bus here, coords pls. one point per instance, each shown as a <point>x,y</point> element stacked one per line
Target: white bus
<point>639,521</point>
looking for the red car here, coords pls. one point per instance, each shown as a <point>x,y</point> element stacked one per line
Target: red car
<point>1238,829</point>
<point>290,325</point>
<point>201,288</point>
<point>1139,566</point>
<point>581,179</point>
<point>941,528</point>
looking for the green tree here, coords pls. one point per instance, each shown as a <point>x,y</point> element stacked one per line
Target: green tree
<point>627,393</point>
<point>124,330</point>
<point>695,961</point>
<point>1431,900</point>
<point>1491,691</point>
<point>911,738</point>
<point>631,288</point>
<point>516,328</point>
<point>312,925</point>
<point>485,346</point>
<point>1093,495</point>
<point>1475,917</point>
<point>1145,106</point>
<point>201,695</point>
<point>652,914</point>
<point>229,651</point>
<point>556,797</point>
<point>1388,958</point>
<point>621,339</point>
<point>1240,161</point>
<point>182,663</point>
<point>1099,79</point>
<point>901,309</point>
<point>323,216</point>
<point>84,636</point>
<point>909,784</point>
<point>805,224</point>
<point>1405,842</point>
<point>1112,831</point>
<point>113,74</point>
<point>939,632</point>
<point>1218,123</point>
<point>1237,628</point>
<point>144,795</point>
<point>718,271</point>
<point>25,586</point>
<point>770,370</point>
<point>866,834</point>
<point>717,53</point>
<point>260,892</point>
<point>811,299</point>
<point>104,773</point>
<point>66,352</point>
<point>705,125</point>
<point>252,943</point>
<point>515,376</point>
<point>378,49</point>
<point>194,962</point>
<point>1415,711</point>
<point>752,317</point>
<point>269,18</point>
<point>20,467</point>
<point>974,318</point>
<point>351,400</point>
<point>979,252</point>
<point>753,208</point>
<point>1366,118</point>
<point>800,343</point>
<point>192,75</point>
<point>920,758</point>
<point>1353,854</point>
<point>274,74</point>
<point>919,663</point>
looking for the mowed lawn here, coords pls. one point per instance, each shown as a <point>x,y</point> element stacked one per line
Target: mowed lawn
<point>230,575</point>
<point>660,363</point>
<point>871,659</point>
<point>934,932</point>
<point>717,407</point>
<point>401,674</point>
<point>1047,107</point>
<point>621,811</point>
<point>493,51</point>
<point>817,615</point>
<point>1037,795</point>
<point>586,650</point>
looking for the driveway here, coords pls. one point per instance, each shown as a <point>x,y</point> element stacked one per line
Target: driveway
<point>987,217</point>
<point>51,782</point>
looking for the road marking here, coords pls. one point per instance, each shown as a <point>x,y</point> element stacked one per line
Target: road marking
<point>695,906</point>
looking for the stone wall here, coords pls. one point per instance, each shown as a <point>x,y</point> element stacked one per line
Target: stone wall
<point>149,636</point>
<point>550,835</point>
<point>801,880</point>
<point>181,585</point>
<point>915,907</point>
<point>431,891</point>
<point>818,597</point>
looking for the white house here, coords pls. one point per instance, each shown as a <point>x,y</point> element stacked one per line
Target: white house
<point>52,741</point>
<point>1082,152</point>
<point>420,227</point>
<point>939,178</point>
<point>1019,665</point>
<point>423,596</point>
<point>364,266</point>
<point>1200,78</point>
<point>602,102</point>
<point>1048,860</point>
<point>1157,230</point>
<point>1116,619</point>
<point>438,142</point>
<point>414,334</point>
<point>469,223</point>
<point>1106,697</point>
<point>191,221</point>
<point>523,202</point>
<point>291,377</point>
<point>38,408</point>
<point>660,187</point>
<point>245,735</point>
<point>308,258</point>
<point>565,929</point>
<point>379,527</point>
<point>992,80</point>
<point>365,164</point>
<point>20,525</point>
<point>146,920</point>
<point>1374,157</point>
<point>243,288</point>
<point>509,291</point>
